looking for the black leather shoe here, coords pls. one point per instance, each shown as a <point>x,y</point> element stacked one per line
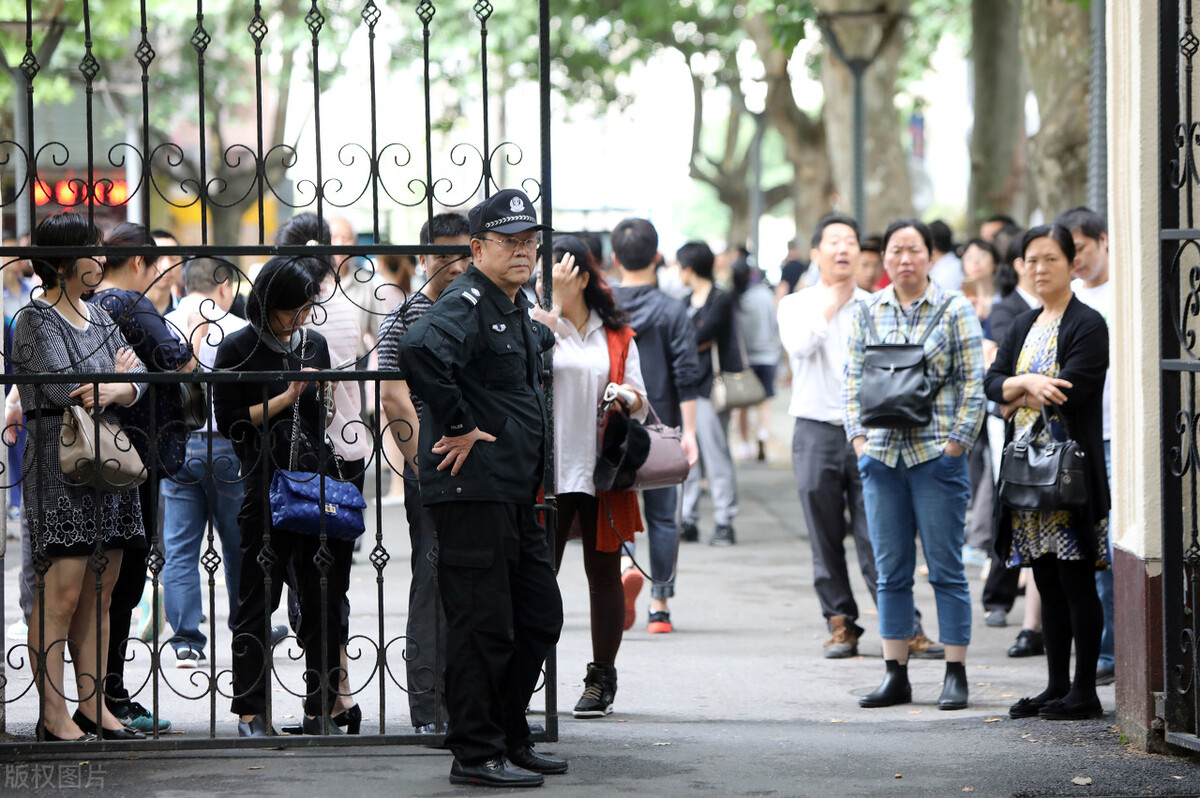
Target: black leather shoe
<point>494,772</point>
<point>87,727</point>
<point>1028,707</point>
<point>1062,710</point>
<point>894,689</point>
<point>315,726</point>
<point>351,718</point>
<point>526,757</point>
<point>722,536</point>
<point>54,738</point>
<point>1029,644</point>
<point>254,728</point>
<point>954,687</point>
<point>689,533</point>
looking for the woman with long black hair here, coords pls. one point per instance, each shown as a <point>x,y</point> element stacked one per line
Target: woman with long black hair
<point>593,349</point>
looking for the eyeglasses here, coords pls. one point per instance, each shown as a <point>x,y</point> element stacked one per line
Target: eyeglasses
<point>514,244</point>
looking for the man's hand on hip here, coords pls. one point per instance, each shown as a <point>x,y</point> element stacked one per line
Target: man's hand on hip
<point>457,447</point>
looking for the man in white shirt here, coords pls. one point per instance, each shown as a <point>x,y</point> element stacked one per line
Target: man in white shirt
<point>947,270</point>
<point>1093,288</point>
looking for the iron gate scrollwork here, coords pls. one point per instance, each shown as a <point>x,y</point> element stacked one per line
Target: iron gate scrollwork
<point>229,173</point>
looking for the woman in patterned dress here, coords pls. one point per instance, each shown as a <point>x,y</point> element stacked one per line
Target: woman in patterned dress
<point>78,533</point>
<point>1056,356</point>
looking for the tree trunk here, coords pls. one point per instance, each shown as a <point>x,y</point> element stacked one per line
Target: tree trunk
<point>804,138</point>
<point>1056,38</point>
<point>888,186</point>
<point>998,152</point>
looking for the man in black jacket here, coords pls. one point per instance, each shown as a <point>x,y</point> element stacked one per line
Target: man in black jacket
<point>666,343</point>
<point>475,359</point>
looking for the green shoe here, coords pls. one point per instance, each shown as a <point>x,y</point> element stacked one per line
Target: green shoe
<point>136,716</point>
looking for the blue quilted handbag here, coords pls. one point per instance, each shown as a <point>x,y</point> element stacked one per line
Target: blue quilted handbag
<point>306,502</point>
<point>298,506</point>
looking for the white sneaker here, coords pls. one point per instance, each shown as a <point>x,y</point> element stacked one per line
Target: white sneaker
<point>188,658</point>
<point>17,630</point>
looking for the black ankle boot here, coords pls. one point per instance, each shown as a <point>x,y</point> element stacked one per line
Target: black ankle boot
<point>599,690</point>
<point>894,689</point>
<point>954,687</point>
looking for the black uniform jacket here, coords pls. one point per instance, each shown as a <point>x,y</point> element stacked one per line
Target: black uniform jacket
<point>1083,362</point>
<point>475,358</point>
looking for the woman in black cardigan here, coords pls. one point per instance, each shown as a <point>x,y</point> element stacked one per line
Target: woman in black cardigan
<point>1057,356</point>
<point>257,417</point>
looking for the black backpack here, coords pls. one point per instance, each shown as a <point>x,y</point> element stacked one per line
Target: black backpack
<point>897,391</point>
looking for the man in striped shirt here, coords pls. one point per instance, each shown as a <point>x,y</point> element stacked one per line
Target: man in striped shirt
<point>403,409</point>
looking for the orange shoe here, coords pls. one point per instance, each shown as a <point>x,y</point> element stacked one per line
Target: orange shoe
<point>631,581</point>
<point>660,623</point>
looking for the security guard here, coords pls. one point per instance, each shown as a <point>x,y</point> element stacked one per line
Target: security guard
<point>475,358</point>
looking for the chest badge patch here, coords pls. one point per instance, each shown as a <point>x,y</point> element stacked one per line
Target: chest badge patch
<point>499,327</point>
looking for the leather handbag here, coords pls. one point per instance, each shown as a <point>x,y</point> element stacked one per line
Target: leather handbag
<point>195,403</point>
<point>734,389</point>
<point>635,456</point>
<point>97,453</point>
<point>1036,475</point>
<point>897,390</point>
<point>310,503</point>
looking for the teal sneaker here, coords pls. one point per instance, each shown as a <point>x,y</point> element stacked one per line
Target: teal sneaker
<point>136,716</point>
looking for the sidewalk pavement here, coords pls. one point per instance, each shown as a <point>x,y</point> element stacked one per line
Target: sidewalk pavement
<point>738,700</point>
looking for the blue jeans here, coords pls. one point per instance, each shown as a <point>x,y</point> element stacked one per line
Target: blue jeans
<point>929,499</point>
<point>190,499</point>
<point>660,507</point>
<point>1104,585</point>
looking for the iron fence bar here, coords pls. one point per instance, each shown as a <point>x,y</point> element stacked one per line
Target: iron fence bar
<point>145,56</point>
<point>483,10</point>
<point>425,12</point>
<point>315,21</point>
<point>370,15</point>
<point>258,31</point>
<point>200,41</point>
<point>1176,459</point>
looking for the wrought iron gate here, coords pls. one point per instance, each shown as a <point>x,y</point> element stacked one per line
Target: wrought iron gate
<point>210,166</point>
<point>1180,318</point>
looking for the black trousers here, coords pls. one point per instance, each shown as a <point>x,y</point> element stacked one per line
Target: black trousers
<point>503,614</point>
<point>424,658</point>
<point>321,628</point>
<point>127,592</point>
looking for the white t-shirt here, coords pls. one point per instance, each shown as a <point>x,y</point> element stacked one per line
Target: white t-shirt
<point>817,351</point>
<point>947,272</point>
<point>220,324</point>
<point>1103,301</point>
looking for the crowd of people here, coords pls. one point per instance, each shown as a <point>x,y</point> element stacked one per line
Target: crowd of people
<point>1007,335</point>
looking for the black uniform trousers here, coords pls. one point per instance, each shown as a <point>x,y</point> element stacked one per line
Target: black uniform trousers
<point>294,555</point>
<point>503,614</point>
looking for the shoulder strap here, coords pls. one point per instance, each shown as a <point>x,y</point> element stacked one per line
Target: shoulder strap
<point>936,316</point>
<point>865,307</point>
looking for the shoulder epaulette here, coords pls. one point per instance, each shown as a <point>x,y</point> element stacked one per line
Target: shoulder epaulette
<point>471,296</point>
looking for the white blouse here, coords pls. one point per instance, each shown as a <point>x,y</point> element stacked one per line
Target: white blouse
<point>580,377</point>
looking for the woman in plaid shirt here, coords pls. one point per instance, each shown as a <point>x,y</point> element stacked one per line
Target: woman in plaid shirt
<point>915,480</point>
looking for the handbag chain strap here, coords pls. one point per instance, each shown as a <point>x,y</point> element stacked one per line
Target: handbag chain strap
<point>293,454</point>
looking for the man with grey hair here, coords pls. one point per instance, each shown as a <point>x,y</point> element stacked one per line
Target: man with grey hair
<point>193,496</point>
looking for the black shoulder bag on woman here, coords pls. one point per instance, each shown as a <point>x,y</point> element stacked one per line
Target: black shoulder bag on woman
<point>1043,476</point>
<point>897,390</point>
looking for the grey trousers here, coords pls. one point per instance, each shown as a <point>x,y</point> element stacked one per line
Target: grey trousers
<point>832,499</point>
<point>980,531</point>
<point>712,436</point>
<point>424,658</point>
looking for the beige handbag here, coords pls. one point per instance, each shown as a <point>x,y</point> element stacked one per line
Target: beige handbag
<point>97,453</point>
<point>734,389</point>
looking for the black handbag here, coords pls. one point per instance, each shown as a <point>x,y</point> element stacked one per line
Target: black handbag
<point>1043,476</point>
<point>896,391</point>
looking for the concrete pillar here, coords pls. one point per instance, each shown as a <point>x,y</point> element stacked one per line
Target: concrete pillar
<point>1133,165</point>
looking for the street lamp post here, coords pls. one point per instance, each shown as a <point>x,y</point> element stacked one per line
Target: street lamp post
<point>856,38</point>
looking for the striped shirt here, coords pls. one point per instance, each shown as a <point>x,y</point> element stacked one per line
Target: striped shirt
<point>393,328</point>
<point>954,357</point>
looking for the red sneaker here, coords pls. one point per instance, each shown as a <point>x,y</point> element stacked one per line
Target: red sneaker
<point>660,623</point>
<point>631,581</point>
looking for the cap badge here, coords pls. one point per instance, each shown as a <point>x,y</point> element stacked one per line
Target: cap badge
<point>515,205</point>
